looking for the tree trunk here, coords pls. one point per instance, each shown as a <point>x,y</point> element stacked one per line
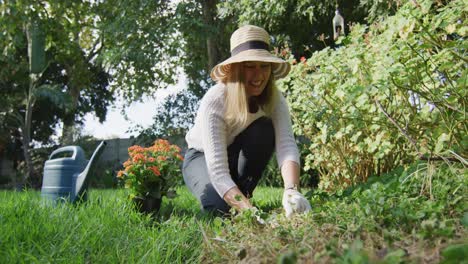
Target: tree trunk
<point>209,13</point>
<point>26,131</point>
<point>68,131</point>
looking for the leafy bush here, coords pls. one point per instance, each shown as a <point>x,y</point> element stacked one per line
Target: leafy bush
<point>395,92</point>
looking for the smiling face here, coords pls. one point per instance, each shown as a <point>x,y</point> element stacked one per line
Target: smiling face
<point>256,76</point>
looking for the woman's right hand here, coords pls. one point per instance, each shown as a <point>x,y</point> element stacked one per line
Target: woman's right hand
<point>294,202</point>
<point>236,199</point>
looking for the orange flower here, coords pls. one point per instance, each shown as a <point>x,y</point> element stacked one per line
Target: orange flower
<point>162,158</point>
<point>120,174</point>
<point>155,170</point>
<point>151,159</point>
<point>156,148</point>
<point>139,157</point>
<point>136,149</point>
<point>303,59</point>
<point>127,163</point>
<point>127,169</point>
<point>161,142</point>
<point>179,157</point>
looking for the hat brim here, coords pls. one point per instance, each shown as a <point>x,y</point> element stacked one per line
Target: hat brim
<point>280,68</point>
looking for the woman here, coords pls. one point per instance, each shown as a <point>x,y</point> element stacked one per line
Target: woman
<point>240,122</point>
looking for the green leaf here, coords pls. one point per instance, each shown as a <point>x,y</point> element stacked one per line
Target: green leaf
<point>287,258</point>
<point>455,253</point>
<point>440,142</point>
<point>394,256</point>
<point>54,94</point>
<point>464,220</point>
<point>324,134</point>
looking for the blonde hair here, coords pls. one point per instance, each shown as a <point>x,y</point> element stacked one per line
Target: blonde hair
<point>236,99</point>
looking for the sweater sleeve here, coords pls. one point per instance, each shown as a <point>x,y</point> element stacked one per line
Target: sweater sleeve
<point>214,142</point>
<point>285,144</point>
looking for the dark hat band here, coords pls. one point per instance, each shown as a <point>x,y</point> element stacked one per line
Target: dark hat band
<point>254,44</point>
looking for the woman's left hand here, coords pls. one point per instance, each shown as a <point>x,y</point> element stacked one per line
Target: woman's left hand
<point>294,202</point>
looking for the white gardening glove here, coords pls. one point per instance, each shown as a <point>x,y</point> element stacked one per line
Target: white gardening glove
<point>294,202</point>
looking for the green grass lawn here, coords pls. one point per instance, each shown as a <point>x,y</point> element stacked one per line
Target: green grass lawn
<point>395,218</point>
<point>105,229</point>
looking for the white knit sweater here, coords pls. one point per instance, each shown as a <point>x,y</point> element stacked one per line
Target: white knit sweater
<point>211,135</point>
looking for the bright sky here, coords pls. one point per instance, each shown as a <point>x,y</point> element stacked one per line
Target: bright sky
<point>141,113</point>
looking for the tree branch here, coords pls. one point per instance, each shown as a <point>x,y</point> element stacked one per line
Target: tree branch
<point>93,51</point>
<point>437,103</point>
<point>413,142</point>
<point>403,131</point>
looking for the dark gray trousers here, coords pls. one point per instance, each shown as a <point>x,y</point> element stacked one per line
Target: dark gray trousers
<point>248,157</point>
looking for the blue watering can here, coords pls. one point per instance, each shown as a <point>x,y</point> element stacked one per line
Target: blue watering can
<point>65,178</point>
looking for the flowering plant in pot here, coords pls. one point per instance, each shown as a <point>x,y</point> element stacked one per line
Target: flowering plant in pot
<point>151,173</point>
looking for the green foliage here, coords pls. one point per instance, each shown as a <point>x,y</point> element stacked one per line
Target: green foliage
<point>197,24</point>
<point>303,25</point>
<point>406,216</point>
<point>87,45</point>
<point>395,92</point>
<point>70,66</point>
<point>53,95</point>
<point>377,9</point>
<point>455,253</point>
<point>139,44</point>
<point>173,118</point>
<point>203,42</point>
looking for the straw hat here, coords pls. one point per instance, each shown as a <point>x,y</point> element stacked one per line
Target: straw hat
<point>250,43</point>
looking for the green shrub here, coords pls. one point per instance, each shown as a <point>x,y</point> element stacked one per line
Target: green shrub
<point>394,93</point>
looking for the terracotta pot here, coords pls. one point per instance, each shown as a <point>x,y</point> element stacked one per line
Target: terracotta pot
<point>148,205</point>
